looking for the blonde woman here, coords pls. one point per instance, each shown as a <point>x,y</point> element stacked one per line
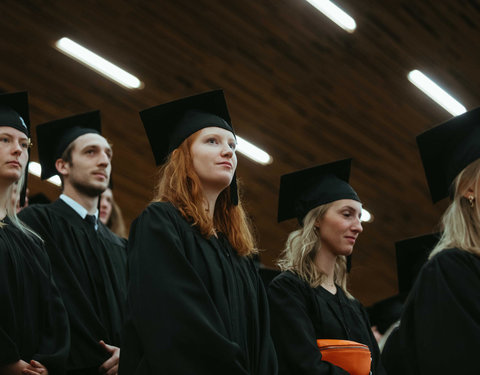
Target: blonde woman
<point>440,328</point>
<point>34,333</point>
<point>309,300</point>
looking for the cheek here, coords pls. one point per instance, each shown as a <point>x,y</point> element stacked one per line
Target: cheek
<point>23,159</point>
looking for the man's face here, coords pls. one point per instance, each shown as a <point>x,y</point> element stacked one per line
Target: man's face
<point>90,167</point>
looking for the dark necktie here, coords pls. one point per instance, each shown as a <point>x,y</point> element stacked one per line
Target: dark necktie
<point>91,219</point>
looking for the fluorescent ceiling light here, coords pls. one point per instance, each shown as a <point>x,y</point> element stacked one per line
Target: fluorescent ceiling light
<point>253,152</point>
<point>336,14</point>
<point>99,64</point>
<point>35,169</point>
<point>436,93</point>
<point>366,216</point>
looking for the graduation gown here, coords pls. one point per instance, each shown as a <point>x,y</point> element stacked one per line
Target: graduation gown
<point>440,328</point>
<point>89,268</point>
<point>33,320</point>
<point>195,306</point>
<point>301,314</point>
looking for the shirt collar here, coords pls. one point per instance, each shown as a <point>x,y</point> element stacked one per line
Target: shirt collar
<point>77,207</point>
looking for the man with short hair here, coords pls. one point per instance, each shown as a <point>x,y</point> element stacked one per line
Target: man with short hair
<point>88,260</point>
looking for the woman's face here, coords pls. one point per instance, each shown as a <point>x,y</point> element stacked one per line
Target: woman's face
<point>106,201</point>
<point>213,157</point>
<point>13,154</point>
<point>340,226</point>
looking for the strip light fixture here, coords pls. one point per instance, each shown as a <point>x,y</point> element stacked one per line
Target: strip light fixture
<point>98,63</point>
<point>436,93</point>
<point>253,152</point>
<point>36,169</point>
<point>336,14</point>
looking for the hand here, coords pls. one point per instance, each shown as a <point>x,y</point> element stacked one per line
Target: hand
<point>35,368</point>
<point>110,366</point>
<point>14,368</point>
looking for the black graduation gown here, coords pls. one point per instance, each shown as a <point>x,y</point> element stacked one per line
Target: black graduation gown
<point>195,306</point>
<point>33,320</point>
<point>301,314</point>
<point>89,268</point>
<point>440,328</point>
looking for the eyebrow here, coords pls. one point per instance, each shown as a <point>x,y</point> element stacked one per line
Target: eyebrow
<point>351,209</point>
<point>11,135</point>
<point>230,138</point>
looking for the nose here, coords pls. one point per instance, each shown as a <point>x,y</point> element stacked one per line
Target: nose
<point>227,150</point>
<point>17,148</point>
<point>357,226</point>
<point>104,159</point>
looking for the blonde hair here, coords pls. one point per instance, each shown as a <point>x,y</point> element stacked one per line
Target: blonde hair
<point>461,222</point>
<point>300,250</point>
<point>13,197</point>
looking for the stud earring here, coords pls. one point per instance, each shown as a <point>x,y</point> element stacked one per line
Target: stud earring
<point>471,199</point>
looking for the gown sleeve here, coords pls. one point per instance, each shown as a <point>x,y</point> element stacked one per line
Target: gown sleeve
<point>9,352</point>
<point>378,368</point>
<point>440,327</point>
<point>54,342</point>
<point>268,358</point>
<point>293,331</point>
<point>176,322</point>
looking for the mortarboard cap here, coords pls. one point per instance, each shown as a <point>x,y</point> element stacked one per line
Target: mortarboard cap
<point>385,312</point>
<point>54,137</point>
<point>168,125</point>
<point>304,190</point>
<point>412,253</point>
<point>14,112</point>
<point>447,149</point>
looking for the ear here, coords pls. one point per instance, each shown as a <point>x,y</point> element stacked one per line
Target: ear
<point>62,167</point>
<point>469,193</point>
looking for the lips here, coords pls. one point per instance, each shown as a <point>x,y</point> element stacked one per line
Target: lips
<point>100,174</point>
<point>14,163</point>
<point>226,164</point>
<point>351,239</point>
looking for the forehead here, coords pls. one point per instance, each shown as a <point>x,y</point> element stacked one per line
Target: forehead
<point>357,206</point>
<point>91,139</point>
<point>213,130</point>
<point>107,194</point>
<point>12,131</point>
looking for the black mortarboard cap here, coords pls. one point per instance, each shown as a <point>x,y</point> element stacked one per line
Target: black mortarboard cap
<point>168,125</point>
<point>14,112</point>
<point>54,137</point>
<point>412,253</point>
<point>304,190</point>
<point>385,312</point>
<point>447,149</point>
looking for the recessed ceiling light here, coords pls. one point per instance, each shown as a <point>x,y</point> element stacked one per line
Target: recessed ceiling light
<point>436,93</point>
<point>336,14</point>
<point>98,63</point>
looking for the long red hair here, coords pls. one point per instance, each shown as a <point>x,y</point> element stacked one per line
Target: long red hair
<point>180,185</point>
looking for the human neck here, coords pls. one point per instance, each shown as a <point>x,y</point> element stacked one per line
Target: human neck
<point>87,202</point>
<point>3,200</point>
<point>209,202</point>
<point>325,261</point>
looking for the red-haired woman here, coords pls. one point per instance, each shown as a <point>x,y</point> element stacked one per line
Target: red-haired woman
<point>196,303</point>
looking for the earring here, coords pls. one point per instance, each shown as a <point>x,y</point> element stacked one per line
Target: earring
<point>471,200</point>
